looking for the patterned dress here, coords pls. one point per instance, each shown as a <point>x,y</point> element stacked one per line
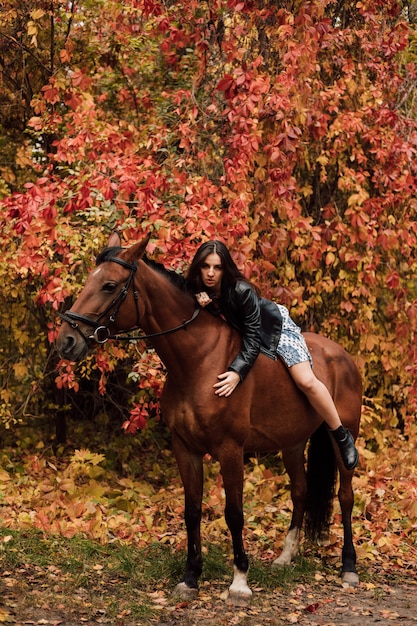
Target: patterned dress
<point>292,347</point>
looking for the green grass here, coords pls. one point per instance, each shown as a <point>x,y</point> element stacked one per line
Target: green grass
<point>262,575</point>
<point>112,577</point>
<point>121,574</point>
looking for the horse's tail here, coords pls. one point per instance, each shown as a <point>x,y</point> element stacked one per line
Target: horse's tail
<point>321,484</point>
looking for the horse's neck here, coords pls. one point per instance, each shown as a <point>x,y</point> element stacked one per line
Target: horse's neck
<point>168,307</point>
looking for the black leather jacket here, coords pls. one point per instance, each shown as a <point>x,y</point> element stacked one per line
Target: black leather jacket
<point>257,320</point>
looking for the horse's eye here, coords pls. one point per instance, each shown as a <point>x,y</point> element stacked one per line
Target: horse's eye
<point>109,287</point>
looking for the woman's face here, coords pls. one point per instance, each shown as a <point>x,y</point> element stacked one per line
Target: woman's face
<point>212,272</point>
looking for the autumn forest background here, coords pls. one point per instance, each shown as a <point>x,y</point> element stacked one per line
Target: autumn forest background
<point>287,128</point>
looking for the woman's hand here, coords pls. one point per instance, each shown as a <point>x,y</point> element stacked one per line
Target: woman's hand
<point>228,381</point>
<point>203,298</point>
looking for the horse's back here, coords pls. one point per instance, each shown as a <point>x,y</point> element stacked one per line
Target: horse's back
<point>280,413</point>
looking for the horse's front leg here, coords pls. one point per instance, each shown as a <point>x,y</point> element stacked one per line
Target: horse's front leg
<point>231,463</point>
<point>191,471</point>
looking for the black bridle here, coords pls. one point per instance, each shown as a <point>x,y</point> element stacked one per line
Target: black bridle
<point>102,332</point>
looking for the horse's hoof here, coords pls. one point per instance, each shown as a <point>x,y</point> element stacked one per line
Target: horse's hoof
<point>185,592</point>
<point>239,597</point>
<point>280,562</point>
<point>350,579</point>
<point>239,593</point>
<point>290,550</point>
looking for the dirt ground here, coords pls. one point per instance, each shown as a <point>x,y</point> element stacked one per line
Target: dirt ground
<point>389,601</point>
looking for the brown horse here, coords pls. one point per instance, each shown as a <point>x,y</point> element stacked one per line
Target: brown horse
<point>265,413</point>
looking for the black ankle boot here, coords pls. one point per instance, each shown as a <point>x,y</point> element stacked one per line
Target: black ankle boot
<point>344,440</point>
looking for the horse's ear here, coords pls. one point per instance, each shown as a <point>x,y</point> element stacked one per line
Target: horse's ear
<point>136,252</point>
<point>114,240</point>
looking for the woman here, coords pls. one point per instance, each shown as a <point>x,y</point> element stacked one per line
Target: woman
<point>264,326</point>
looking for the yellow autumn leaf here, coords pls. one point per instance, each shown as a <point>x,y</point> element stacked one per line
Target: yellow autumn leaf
<point>4,476</point>
<point>306,190</point>
<point>260,173</point>
<point>94,489</point>
<point>94,471</point>
<point>6,617</point>
<point>261,159</point>
<point>6,395</point>
<point>148,519</point>
<point>32,28</point>
<point>46,486</point>
<point>119,500</point>
<point>8,16</point>
<point>371,342</point>
<point>330,258</point>
<point>67,484</point>
<point>8,175</point>
<point>36,14</point>
<point>20,370</point>
<point>351,86</point>
<point>357,199</point>
<point>24,156</point>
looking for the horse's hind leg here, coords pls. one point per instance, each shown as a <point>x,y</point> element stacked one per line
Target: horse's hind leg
<point>231,463</point>
<point>294,464</point>
<point>191,470</point>
<point>349,574</point>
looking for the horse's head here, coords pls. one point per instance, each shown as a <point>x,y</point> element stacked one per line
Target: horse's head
<point>97,311</point>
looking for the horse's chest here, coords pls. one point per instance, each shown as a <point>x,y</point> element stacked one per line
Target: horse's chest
<point>193,420</point>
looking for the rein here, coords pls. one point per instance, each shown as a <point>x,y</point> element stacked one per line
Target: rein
<point>184,324</point>
<point>101,332</point>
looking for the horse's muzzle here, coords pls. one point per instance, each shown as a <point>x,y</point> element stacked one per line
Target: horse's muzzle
<point>70,345</point>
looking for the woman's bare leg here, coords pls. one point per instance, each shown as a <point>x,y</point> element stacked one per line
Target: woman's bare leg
<point>316,392</point>
<point>321,400</point>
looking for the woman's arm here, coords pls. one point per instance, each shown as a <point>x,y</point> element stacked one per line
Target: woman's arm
<point>245,315</point>
<point>242,311</point>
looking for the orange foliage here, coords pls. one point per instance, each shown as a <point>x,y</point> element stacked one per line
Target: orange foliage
<point>282,129</point>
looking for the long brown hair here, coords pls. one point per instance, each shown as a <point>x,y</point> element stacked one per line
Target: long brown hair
<point>231,273</point>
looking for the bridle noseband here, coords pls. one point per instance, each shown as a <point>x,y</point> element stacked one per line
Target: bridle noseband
<point>101,332</point>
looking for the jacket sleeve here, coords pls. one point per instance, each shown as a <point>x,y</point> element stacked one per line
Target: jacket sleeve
<point>249,321</point>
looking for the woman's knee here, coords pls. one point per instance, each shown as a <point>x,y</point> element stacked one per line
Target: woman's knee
<point>308,386</point>
<point>305,380</point>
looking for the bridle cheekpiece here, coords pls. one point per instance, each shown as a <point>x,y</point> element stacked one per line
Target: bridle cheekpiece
<point>101,333</point>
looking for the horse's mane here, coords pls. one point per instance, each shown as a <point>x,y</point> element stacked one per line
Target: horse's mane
<point>177,279</point>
